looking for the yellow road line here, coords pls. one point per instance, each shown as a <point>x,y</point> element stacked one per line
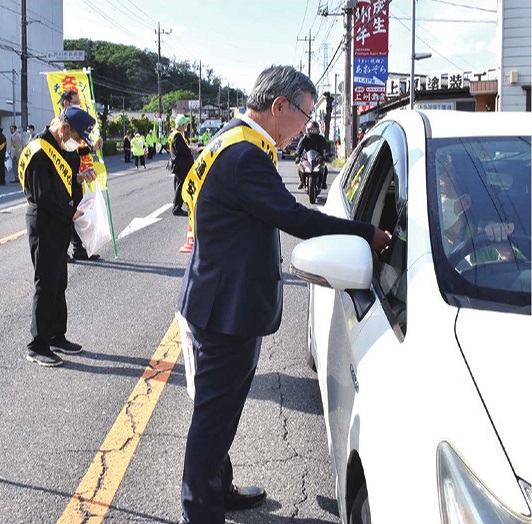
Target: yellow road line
<point>96,491</point>
<point>5,240</point>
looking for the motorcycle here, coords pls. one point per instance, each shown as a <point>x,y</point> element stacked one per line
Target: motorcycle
<point>312,169</point>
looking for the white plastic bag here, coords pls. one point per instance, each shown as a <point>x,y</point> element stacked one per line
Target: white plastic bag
<point>93,226</point>
<point>188,353</point>
<point>9,164</point>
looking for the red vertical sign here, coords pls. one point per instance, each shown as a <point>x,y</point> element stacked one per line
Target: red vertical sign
<point>370,51</point>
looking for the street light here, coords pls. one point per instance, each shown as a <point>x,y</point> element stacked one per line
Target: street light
<point>414,56</point>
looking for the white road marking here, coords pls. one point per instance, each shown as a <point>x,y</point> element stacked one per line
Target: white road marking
<point>138,223</point>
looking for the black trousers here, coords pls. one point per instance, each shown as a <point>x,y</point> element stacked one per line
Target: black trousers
<point>77,244</point>
<point>178,198</point>
<point>142,160</point>
<point>127,155</point>
<point>48,239</point>
<point>2,170</point>
<point>225,367</point>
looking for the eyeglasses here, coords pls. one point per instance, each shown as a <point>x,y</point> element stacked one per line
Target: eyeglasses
<point>309,118</point>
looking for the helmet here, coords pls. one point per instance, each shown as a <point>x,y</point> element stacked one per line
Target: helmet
<point>313,127</point>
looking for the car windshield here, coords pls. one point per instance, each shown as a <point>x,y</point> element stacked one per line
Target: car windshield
<point>479,196</point>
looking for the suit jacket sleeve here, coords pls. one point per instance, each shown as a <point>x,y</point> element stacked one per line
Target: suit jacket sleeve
<point>262,194</point>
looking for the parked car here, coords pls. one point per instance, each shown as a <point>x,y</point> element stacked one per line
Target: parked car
<point>290,150</point>
<point>422,351</point>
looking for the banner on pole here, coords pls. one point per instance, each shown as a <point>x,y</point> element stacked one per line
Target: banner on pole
<point>370,52</point>
<point>58,83</point>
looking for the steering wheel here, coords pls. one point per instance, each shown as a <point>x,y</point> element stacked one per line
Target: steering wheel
<point>480,241</point>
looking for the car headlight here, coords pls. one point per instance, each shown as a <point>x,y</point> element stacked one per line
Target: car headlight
<point>463,497</point>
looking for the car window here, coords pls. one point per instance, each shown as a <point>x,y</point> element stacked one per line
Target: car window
<point>357,169</point>
<point>480,194</point>
<point>378,205</point>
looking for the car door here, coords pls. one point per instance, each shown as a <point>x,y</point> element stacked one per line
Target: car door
<point>360,318</point>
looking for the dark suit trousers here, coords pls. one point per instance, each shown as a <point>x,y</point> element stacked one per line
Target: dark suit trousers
<point>48,240</point>
<point>178,199</point>
<point>225,367</point>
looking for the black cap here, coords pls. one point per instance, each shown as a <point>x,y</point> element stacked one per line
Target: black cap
<point>80,121</point>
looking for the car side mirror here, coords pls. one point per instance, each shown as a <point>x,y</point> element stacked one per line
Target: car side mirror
<point>342,262</point>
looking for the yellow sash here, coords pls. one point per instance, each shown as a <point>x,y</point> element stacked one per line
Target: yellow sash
<point>199,171</point>
<point>171,138</point>
<point>61,166</point>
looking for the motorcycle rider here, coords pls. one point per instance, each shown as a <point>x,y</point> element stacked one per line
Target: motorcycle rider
<point>312,140</point>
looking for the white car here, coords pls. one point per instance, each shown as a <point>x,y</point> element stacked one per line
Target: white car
<point>422,352</point>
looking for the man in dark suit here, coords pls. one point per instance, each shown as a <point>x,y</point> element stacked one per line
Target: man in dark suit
<point>238,203</point>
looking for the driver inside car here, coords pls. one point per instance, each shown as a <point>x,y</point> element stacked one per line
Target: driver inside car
<point>458,214</point>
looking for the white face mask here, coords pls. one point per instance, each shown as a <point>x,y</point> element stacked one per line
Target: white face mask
<point>70,145</point>
<point>449,214</point>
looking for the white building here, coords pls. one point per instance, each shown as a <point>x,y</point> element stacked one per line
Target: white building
<point>514,60</point>
<point>44,23</point>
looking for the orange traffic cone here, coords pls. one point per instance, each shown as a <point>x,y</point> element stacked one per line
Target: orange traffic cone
<point>189,244</point>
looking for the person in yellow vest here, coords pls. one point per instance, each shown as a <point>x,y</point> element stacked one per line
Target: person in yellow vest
<point>206,136</point>
<point>47,180</point>
<point>164,144</point>
<point>3,148</point>
<point>137,147</point>
<point>232,291</point>
<point>150,144</point>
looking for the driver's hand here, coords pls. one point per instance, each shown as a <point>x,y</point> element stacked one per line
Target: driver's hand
<point>381,240</point>
<point>499,231</point>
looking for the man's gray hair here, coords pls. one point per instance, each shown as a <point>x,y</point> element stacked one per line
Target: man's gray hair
<point>280,81</point>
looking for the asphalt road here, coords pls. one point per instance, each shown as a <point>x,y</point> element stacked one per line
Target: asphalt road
<point>59,425</point>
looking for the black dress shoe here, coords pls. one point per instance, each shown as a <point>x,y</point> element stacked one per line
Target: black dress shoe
<point>244,498</point>
<point>179,213</point>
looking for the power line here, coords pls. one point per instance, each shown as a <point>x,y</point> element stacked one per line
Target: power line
<point>466,6</point>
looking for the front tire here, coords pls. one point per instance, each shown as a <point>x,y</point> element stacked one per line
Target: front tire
<point>312,190</point>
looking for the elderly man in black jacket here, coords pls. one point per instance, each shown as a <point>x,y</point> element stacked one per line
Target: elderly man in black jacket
<point>180,161</point>
<point>231,293</point>
<point>48,182</point>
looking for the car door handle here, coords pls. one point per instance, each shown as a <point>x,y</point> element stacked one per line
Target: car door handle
<point>353,376</point>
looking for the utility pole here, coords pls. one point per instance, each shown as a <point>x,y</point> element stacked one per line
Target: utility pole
<point>310,40</point>
<point>13,74</point>
<point>24,68</point>
<point>199,94</point>
<point>158,32</point>
<point>348,79</point>
<point>228,107</point>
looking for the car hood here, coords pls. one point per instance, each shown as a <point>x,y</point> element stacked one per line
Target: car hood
<point>498,351</point>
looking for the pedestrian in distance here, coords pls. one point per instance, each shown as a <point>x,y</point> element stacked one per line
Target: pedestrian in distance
<point>238,203</point>
<point>16,149</point>
<point>30,134</point>
<point>47,180</point>
<point>137,147</point>
<point>181,161</point>
<point>127,147</point>
<point>163,144</point>
<point>3,149</point>
<point>71,98</point>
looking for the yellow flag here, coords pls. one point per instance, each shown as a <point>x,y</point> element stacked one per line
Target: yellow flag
<point>58,83</point>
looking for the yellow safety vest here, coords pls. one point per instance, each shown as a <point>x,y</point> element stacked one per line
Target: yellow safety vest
<point>61,165</point>
<point>199,171</point>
